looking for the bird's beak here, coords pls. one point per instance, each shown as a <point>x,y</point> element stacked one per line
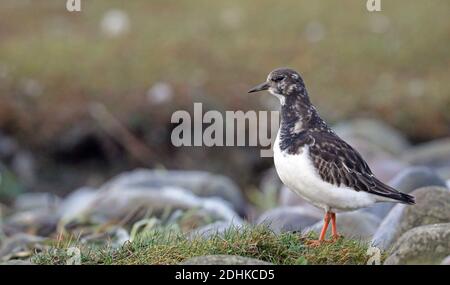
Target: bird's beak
<point>260,87</point>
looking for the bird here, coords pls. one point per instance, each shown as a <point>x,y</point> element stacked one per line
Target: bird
<point>314,162</point>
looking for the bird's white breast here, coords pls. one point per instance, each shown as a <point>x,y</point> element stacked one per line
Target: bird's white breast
<point>298,173</point>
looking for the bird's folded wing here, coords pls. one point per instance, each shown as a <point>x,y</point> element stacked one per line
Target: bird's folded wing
<point>341,165</point>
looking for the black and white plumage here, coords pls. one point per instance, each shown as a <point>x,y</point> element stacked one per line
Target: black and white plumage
<point>313,161</point>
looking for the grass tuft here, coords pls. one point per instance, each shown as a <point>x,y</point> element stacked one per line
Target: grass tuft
<point>168,246</point>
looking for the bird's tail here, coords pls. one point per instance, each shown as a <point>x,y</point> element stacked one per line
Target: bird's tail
<point>390,193</point>
<point>407,199</point>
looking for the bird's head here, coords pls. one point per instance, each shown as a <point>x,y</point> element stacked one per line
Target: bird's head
<point>282,82</point>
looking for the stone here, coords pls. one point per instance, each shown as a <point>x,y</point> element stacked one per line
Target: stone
<point>119,201</point>
<point>446,261</point>
<point>8,146</point>
<point>17,262</point>
<point>407,181</point>
<point>356,225</point>
<point>31,201</point>
<point>443,172</point>
<point>432,206</point>
<point>270,182</point>
<point>77,203</point>
<point>269,186</point>
<point>416,177</point>
<point>24,166</point>
<point>20,244</point>
<point>427,244</point>
<point>200,183</point>
<point>434,154</point>
<point>284,219</point>
<point>369,130</point>
<point>224,260</point>
<point>42,222</point>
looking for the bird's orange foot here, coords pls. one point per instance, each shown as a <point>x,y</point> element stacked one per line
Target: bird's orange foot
<point>336,237</point>
<point>314,243</point>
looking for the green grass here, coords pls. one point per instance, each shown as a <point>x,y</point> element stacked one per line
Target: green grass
<point>171,247</point>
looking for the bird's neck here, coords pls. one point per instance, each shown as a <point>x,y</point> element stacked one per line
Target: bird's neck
<point>298,115</point>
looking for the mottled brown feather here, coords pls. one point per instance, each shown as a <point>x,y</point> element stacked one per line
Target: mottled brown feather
<point>340,164</point>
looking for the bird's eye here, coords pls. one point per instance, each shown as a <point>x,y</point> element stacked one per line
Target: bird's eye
<point>277,78</point>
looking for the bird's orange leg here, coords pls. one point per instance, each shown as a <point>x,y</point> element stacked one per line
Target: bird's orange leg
<point>323,232</point>
<point>334,232</point>
<point>326,221</point>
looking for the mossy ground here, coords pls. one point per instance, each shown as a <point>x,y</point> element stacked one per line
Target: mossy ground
<point>171,247</point>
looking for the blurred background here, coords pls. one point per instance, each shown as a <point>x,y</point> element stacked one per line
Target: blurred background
<point>87,95</point>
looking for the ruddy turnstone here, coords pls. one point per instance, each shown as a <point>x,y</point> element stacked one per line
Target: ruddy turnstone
<point>314,162</point>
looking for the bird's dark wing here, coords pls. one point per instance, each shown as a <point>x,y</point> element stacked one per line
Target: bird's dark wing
<point>339,164</point>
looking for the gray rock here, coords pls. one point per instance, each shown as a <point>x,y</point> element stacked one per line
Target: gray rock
<point>76,204</point>
<point>224,260</point>
<point>270,182</point>
<point>432,206</point>
<point>270,186</point>
<point>446,261</point>
<point>427,244</point>
<point>286,219</point>
<point>407,181</point>
<point>443,172</point>
<point>416,177</point>
<point>374,131</point>
<point>34,213</point>
<point>42,222</point>
<point>122,200</point>
<point>434,154</point>
<point>357,225</point>
<point>23,165</point>
<point>17,262</point>
<point>32,201</point>
<point>380,209</point>
<point>8,146</point>
<point>19,243</point>
<point>200,183</point>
